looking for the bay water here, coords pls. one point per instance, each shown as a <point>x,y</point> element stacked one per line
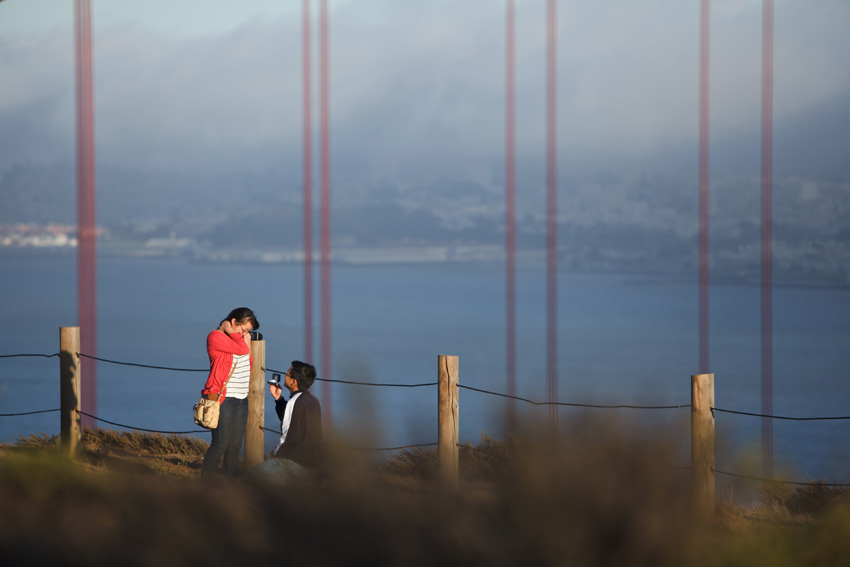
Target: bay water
<point>623,340</point>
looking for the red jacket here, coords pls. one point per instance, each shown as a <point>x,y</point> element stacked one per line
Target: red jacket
<point>221,347</point>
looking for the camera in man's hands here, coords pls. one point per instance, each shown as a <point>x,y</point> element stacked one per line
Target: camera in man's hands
<point>256,336</point>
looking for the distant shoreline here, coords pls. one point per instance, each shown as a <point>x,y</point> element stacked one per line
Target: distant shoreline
<point>422,256</point>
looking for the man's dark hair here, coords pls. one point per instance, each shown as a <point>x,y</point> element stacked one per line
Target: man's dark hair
<point>304,374</point>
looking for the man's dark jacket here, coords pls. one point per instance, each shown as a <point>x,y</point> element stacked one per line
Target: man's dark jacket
<point>303,443</point>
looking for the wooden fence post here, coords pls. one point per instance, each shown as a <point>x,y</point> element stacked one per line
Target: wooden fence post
<point>702,440</point>
<point>256,406</point>
<point>447,417</point>
<point>69,390</point>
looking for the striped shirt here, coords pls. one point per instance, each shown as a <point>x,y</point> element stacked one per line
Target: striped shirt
<point>238,385</point>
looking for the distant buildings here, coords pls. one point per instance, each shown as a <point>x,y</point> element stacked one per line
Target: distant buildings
<point>39,236</point>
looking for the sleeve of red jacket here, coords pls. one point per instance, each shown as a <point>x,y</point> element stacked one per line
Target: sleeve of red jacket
<point>221,347</point>
<point>222,342</point>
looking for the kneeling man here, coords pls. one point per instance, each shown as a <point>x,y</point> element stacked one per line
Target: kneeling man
<point>299,451</point>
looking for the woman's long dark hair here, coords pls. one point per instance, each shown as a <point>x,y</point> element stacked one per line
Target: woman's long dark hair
<point>243,315</point>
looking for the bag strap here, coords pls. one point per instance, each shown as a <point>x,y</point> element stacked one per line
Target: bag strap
<point>232,368</point>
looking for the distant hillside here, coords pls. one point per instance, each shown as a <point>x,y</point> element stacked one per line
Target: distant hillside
<point>48,193</point>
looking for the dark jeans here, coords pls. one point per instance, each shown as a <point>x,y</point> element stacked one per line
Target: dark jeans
<point>227,437</point>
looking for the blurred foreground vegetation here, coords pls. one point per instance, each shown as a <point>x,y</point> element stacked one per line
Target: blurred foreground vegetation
<point>136,499</point>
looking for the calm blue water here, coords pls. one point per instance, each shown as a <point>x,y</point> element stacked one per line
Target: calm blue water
<point>622,340</point>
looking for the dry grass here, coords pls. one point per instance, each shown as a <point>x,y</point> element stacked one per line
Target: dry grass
<point>601,500</point>
<point>807,501</point>
<point>127,452</point>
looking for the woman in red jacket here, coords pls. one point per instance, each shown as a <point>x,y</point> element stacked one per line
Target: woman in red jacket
<point>229,348</point>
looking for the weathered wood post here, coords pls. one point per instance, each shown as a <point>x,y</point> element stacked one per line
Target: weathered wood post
<point>447,417</point>
<point>702,440</point>
<point>69,390</point>
<point>256,406</point>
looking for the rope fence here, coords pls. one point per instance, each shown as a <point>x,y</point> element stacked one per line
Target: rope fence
<point>779,416</point>
<point>418,445</point>
<point>383,448</point>
<point>29,412</point>
<point>776,481</point>
<point>276,432</point>
<point>380,384</point>
<point>141,428</point>
<point>428,384</point>
<point>135,428</point>
<point>142,365</point>
<point>568,404</point>
<point>425,384</point>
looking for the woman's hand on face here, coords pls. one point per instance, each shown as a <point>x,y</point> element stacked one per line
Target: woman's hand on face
<point>247,336</point>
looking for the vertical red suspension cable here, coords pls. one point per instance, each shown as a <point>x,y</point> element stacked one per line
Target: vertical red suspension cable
<point>552,213</point>
<point>510,221</point>
<point>86,224</point>
<point>767,237</point>
<point>308,187</point>
<point>703,183</point>
<point>326,215</point>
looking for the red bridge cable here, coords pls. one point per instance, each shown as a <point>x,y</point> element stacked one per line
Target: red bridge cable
<point>767,236</point>
<point>510,220</point>
<point>325,215</point>
<point>552,212</point>
<point>86,223</point>
<point>705,28</point>
<point>308,186</point>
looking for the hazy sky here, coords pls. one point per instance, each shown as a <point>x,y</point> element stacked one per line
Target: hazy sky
<point>181,18</point>
<point>418,85</point>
